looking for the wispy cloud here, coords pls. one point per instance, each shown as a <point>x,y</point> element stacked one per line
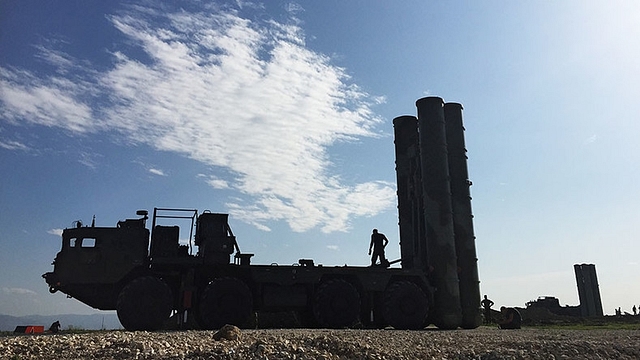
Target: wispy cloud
<point>215,182</point>
<point>88,160</point>
<point>333,247</point>
<point>62,61</point>
<point>152,169</point>
<point>157,172</point>
<point>591,139</point>
<point>55,102</point>
<point>57,232</point>
<point>13,145</point>
<point>18,291</point>
<point>232,93</point>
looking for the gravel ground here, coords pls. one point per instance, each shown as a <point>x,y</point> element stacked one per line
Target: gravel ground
<point>481,343</point>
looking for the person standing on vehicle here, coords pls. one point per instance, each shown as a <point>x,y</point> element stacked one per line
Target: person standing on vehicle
<point>378,243</point>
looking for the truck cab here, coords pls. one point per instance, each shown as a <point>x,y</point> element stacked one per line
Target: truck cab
<point>93,260</point>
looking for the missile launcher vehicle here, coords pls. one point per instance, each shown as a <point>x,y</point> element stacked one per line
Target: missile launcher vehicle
<point>152,279</point>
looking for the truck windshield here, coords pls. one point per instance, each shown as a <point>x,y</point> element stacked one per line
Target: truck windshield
<point>82,242</point>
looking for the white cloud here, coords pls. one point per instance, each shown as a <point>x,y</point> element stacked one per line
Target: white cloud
<point>18,291</point>
<point>218,183</point>
<point>55,102</point>
<point>333,247</point>
<point>293,8</point>
<point>13,145</point>
<point>157,172</point>
<point>63,62</point>
<point>214,181</point>
<point>57,232</point>
<point>88,160</point>
<point>231,93</point>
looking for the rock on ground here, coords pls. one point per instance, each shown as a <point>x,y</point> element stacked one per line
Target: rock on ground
<point>482,343</point>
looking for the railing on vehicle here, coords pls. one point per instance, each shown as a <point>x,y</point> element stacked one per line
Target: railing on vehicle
<point>175,213</point>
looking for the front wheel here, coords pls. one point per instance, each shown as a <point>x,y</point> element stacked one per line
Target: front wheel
<point>225,301</point>
<point>144,304</point>
<point>337,304</point>
<point>405,306</point>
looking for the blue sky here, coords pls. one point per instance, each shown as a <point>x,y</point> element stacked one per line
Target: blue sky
<point>280,114</point>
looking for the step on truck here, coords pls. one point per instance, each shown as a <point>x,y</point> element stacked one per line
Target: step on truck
<point>152,278</point>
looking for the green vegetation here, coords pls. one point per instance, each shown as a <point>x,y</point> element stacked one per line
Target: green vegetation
<point>74,330</point>
<point>590,325</point>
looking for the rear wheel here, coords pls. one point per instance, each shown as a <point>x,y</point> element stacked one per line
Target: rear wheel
<point>337,304</point>
<point>405,306</point>
<point>144,304</point>
<point>306,319</point>
<point>225,301</point>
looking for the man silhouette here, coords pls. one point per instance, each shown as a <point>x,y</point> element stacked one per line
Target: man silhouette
<point>487,304</point>
<point>378,243</point>
<point>55,327</point>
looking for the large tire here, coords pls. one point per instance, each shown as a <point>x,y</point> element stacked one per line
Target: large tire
<point>337,304</point>
<point>144,304</point>
<point>306,319</point>
<point>405,306</point>
<point>225,301</point>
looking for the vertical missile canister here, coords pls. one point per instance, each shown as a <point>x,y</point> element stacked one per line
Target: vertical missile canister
<point>410,211</point>
<point>588,290</point>
<point>587,305</point>
<point>582,294</point>
<point>462,217</point>
<point>436,194</point>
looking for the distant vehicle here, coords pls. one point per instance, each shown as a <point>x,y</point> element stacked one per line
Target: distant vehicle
<point>552,304</point>
<point>149,277</point>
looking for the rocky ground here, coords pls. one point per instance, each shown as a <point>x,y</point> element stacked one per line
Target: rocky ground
<point>481,343</point>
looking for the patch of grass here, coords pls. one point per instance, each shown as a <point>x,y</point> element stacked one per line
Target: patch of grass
<point>591,326</point>
<point>74,330</point>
